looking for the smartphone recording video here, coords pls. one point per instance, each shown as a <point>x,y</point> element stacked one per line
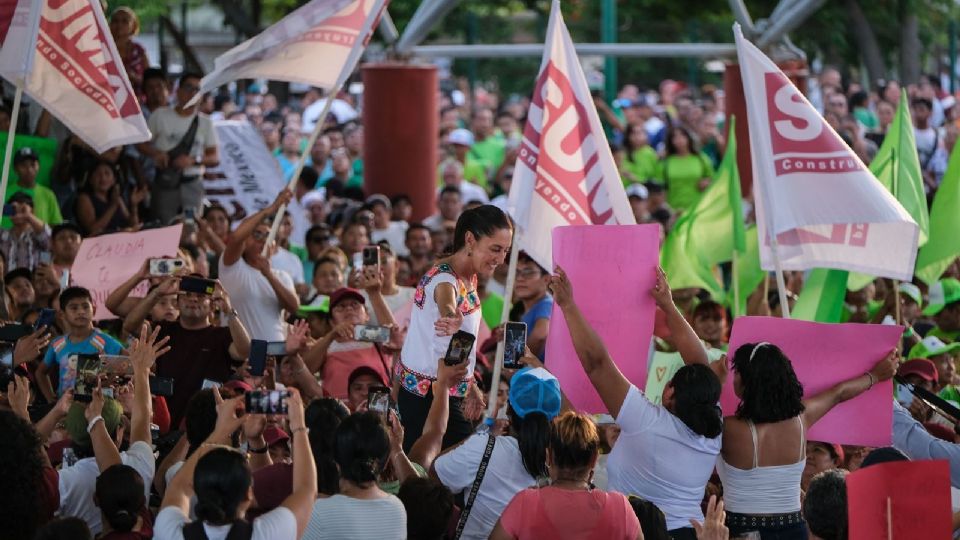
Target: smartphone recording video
<point>378,400</point>
<point>459,349</point>
<point>267,401</point>
<point>514,344</point>
<point>371,333</point>
<point>258,357</point>
<point>165,267</point>
<point>371,256</point>
<point>88,371</point>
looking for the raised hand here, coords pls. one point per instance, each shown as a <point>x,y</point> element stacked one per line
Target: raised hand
<point>369,279</point>
<point>229,415</point>
<point>887,367</point>
<point>661,291</point>
<point>284,197</point>
<point>561,288</point>
<point>18,395</point>
<point>713,527</point>
<point>145,349</point>
<point>297,336</point>
<point>450,376</point>
<point>448,326</point>
<point>28,347</point>
<point>474,404</point>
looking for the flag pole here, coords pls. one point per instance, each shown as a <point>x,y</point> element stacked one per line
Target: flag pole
<point>505,313</point>
<point>781,283</point>
<point>11,135</point>
<point>275,226</point>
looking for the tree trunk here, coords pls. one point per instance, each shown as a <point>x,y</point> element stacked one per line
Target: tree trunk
<point>866,42</point>
<point>910,50</point>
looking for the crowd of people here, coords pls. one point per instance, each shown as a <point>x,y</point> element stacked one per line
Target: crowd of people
<point>167,420</point>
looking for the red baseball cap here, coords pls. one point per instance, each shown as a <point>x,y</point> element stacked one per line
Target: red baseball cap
<point>342,294</point>
<point>273,435</point>
<point>921,367</point>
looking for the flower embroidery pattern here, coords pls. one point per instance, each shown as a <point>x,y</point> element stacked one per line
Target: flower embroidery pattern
<point>468,301</point>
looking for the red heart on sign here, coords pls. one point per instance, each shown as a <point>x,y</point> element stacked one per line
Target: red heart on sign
<point>661,371</point>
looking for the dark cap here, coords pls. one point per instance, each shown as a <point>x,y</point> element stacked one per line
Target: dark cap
<point>24,154</point>
<point>21,272</point>
<point>21,197</point>
<point>344,293</point>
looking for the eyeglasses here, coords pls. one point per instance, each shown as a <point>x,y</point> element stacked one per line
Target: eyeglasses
<point>260,235</point>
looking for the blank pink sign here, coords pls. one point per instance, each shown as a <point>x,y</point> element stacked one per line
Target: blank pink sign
<point>105,262</point>
<point>822,356</point>
<point>612,269</point>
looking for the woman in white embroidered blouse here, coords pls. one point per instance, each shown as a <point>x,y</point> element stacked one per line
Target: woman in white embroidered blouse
<point>446,301</point>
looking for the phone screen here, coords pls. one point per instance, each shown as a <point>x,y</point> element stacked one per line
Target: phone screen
<point>277,348</point>
<point>459,349</point>
<point>88,370</point>
<point>266,401</point>
<point>371,256</point>
<point>514,343</point>
<point>371,333</point>
<point>258,357</point>
<point>379,400</point>
<point>904,395</point>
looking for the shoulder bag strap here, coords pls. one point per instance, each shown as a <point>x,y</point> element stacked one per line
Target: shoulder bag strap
<point>186,143</point>
<point>481,471</point>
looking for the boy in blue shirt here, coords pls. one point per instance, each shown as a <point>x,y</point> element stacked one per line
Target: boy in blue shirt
<point>76,312</point>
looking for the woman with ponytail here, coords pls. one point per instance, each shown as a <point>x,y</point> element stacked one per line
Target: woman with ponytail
<point>517,461</point>
<point>764,443</point>
<point>665,453</point>
<point>361,509</point>
<point>120,497</point>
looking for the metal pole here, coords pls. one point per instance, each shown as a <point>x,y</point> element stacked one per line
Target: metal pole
<point>648,50</point>
<point>742,16</point>
<point>428,14</point>
<point>388,30</point>
<point>11,135</point>
<point>608,34</point>
<point>791,19</point>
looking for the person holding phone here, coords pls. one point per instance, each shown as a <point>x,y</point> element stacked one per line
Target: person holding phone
<point>533,303</point>
<point>338,354</point>
<point>445,302</point>
<point>25,244</point>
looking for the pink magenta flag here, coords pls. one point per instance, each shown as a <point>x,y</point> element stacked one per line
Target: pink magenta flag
<point>906,500</point>
<point>104,262</point>
<point>612,269</point>
<point>822,356</point>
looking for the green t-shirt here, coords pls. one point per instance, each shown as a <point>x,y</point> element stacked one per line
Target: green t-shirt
<point>867,118</point>
<point>643,167</point>
<point>681,174</point>
<point>491,309</point>
<point>950,393</point>
<point>489,153</point>
<point>473,171</point>
<point>45,205</point>
<point>944,335</point>
<point>356,178</point>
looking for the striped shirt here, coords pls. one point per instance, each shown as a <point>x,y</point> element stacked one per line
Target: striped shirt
<point>346,518</point>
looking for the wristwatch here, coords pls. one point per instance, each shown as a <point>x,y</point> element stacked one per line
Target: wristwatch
<point>233,314</point>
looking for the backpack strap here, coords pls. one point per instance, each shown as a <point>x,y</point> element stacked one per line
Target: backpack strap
<point>194,531</point>
<point>481,471</point>
<point>240,530</point>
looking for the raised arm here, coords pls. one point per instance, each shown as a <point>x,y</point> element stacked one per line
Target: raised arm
<point>104,450</point>
<point>603,373</point>
<point>119,302</point>
<point>682,336</point>
<point>300,502</point>
<point>240,345</point>
<point>234,248</point>
<point>316,356</point>
<point>819,405</point>
<point>429,445</point>
<point>133,322</point>
<point>143,354</point>
<point>370,281</point>
<point>286,296</point>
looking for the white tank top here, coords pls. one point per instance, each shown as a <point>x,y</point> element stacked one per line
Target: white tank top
<point>763,490</point>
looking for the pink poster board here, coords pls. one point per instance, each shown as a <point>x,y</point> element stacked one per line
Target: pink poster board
<point>612,269</point>
<point>906,500</point>
<point>105,262</point>
<point>822,356</point>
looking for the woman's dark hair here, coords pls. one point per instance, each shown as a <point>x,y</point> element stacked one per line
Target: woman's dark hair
<point>696,391</point>
<point>627,145</point>
<point>120,496</point>
<point>709,308</point>
<point>771,391</point>
<point>482,221</point>
<point>429,505</point>
<point>68,528</point>
<point>216,208</point>
<point>652,521</point>
<point>200,418</point>
<point>221,481</point>
<point>323,417</point>
<point>533,435</point>
<point>21,477</point>
<point>87,186</point>
<point>362,447</point>
<point>671,149</point>
<point>574,442</point>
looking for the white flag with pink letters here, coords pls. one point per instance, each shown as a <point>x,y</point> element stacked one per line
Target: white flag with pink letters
<point>62,53</point>
<point>565,173</point>
<point>823,204</point>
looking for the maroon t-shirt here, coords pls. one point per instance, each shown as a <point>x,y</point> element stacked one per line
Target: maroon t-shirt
<point>194,355</point>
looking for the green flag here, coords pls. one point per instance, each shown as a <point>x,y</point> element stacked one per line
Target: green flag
<point>707,234</point>
<point>823,295</point>
<point>747,272</point>
<point>944,244</point>
<point>897,167</point>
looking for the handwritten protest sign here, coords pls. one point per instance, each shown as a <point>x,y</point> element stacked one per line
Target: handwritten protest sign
<point>663,366</point>
<point>248,177</point>
<point>822,356</point>
<point>612,269</point>
<point>904,500</point>
<point>104,262</point>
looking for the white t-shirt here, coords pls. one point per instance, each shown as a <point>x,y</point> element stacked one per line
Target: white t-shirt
<point>395,234</point>
<point>422,347</point>
<point>505,478</point>
<point>399,305</point>
<point>285,260</point>
<point>340,109</point>
<point>255,300</point>
<point>434,222</point>
<point>277,524</point>
<point>471,192</point>
<point>345,518</point>
<point>168,128</point>
<point>79,482</point>
<point>659,458</point>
